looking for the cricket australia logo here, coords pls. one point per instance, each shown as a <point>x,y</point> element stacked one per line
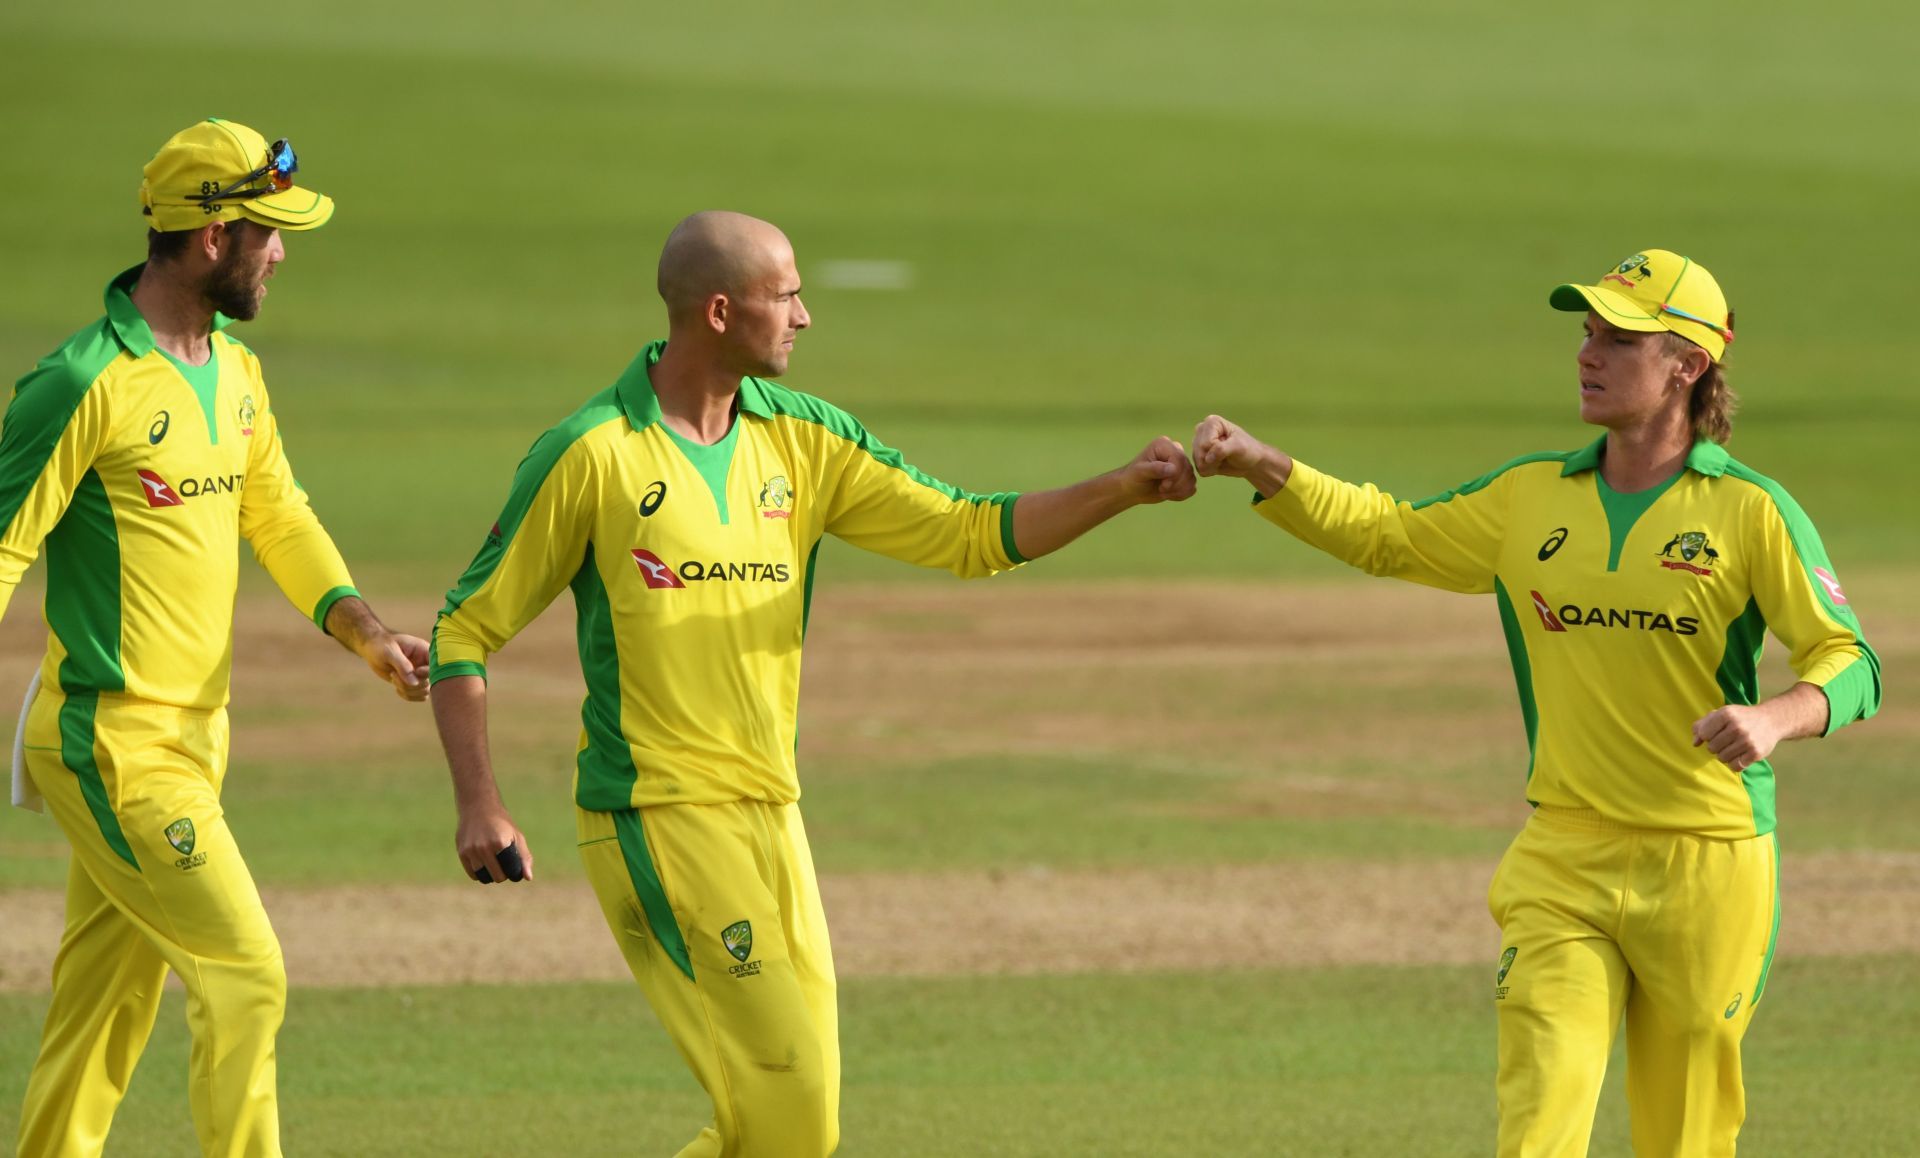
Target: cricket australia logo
<point>1500,986</point>
<point>1692,546</point>
<point>1631,272</point>
<point>775,498</point>
<point>738,938</point>
<point>246,416</point>
<point>180,835</point>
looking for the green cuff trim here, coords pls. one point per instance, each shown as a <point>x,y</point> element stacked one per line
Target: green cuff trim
<point>326,603</point>
<point>1258,498</point>
<point>1007,542</point>
<point>464,667</point>
<point>1852,695</point>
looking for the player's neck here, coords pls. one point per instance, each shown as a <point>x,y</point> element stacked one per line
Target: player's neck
<point>1646,455</point>
<point>697,397</point>
<point>176,311</point>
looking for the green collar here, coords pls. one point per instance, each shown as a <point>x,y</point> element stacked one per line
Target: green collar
<point>126,321</point>
<point>642,405</point>
<point>1706,458</point>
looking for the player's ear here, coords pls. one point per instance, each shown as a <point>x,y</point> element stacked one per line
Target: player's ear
<point>718,312</point>
<point>213,240</point>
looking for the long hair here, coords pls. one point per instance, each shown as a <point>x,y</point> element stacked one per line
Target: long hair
<point>1712,403</point>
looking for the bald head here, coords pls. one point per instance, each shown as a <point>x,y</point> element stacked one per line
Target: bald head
<point>717,252</point>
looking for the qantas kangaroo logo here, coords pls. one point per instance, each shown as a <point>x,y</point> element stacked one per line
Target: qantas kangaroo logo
<point>653,572</point>
<point>159,494</point>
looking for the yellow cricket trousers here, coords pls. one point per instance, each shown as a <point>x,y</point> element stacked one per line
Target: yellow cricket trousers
<point>156,882</point>
<point>717,911</point>
<point>1670,931</point>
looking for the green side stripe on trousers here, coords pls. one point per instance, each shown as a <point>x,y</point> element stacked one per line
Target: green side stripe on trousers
<point>1773,937</point>
<point>76,752</point>
<point>646,884</point>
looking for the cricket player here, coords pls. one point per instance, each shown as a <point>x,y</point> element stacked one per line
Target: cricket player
<point>684,506</point>
<point>141,451</point>
<point>1636,580</point>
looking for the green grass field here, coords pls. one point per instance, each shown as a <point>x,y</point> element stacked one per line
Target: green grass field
<point>1334,222</point>
<point>1300,1062</point>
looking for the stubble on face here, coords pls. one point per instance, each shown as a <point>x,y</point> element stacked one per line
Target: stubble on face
<point>237,283</point>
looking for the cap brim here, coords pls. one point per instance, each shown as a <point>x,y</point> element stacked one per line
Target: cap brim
<point>1619,310</point>
<point>294,208</point>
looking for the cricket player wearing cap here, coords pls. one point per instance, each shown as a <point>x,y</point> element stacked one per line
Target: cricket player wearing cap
<point>1636,580</point>
<point>140,452</point>
<point>684,506</point>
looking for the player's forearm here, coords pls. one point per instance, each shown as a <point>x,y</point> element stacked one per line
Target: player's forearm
<point>460,713</point>
<point>1798,712</point>
<point>353,623</point>
<point>1045,521</point>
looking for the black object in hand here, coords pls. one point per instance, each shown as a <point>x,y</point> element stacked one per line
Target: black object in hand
<point>509,858</point>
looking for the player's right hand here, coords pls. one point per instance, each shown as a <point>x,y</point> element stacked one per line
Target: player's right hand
<point>479,840</point>
<point>1220,447</point>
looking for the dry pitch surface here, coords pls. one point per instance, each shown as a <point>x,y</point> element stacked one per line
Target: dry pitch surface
<point>1019,667</point>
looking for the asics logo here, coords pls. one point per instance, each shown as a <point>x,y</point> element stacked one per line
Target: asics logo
<point>1552,544</point>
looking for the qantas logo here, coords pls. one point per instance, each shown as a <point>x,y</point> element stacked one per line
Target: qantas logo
<point>657,573</point>
<point>159,494</point>
<point>1547,618</point>
<point>653,572</point>
<point>1828,581</point>
<point>1573,615</point>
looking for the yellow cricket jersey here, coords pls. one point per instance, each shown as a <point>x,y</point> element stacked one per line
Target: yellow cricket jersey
<point>1628,617</point>
<point>141,475</point>
<point>692,570</point>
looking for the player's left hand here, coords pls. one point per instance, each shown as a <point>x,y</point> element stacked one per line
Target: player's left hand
<point>401,660</point>
<point>1160,473</point>
<point>1737,735</point>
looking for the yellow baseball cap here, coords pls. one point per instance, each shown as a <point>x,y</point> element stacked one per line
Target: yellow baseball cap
<point>221,170</point>
<point>1657,289</point>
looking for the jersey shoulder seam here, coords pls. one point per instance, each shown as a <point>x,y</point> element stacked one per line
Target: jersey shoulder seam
<point>1486,480</point>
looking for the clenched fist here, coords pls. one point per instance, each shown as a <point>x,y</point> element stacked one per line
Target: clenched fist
<point>1221,448</point>
<point>1160,473</point>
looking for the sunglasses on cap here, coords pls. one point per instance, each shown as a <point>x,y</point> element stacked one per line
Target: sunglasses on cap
<point>1726,333</point>
<point>279,170</point>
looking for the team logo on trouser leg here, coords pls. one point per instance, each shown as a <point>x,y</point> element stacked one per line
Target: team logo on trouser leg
<point>738,938</point>
<point>180,835</point>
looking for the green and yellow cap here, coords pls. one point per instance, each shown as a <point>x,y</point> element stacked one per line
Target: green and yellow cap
<point>221,170</point>
<point>1657,289</point>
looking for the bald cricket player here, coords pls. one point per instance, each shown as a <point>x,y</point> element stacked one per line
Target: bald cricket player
<point>684,506</point>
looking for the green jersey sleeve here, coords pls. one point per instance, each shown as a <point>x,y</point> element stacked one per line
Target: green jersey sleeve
<point>1800,597</point>
<point>54,428</point>
<point>535,549</point>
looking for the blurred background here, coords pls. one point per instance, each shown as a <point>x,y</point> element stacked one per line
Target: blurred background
<point>1033,235</point>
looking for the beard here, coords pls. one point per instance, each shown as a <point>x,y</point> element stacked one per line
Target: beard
<point>233,288</point>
